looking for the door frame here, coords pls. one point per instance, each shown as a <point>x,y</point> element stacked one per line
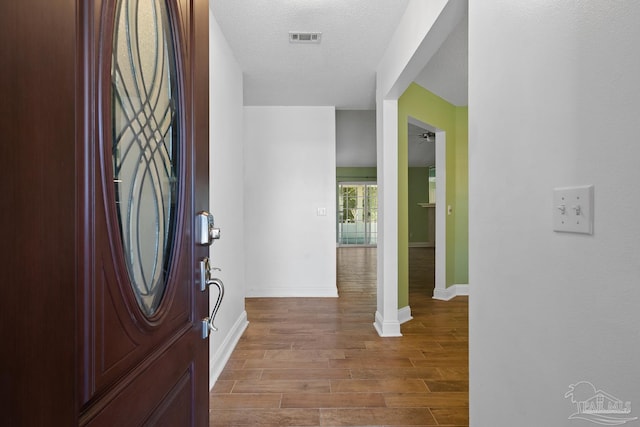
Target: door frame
<point>441,206</point>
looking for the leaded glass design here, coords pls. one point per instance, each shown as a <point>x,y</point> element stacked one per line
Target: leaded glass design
<point>145,143</point>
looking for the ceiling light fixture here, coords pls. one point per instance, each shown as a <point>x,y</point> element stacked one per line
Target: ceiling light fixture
<point>428,136</point>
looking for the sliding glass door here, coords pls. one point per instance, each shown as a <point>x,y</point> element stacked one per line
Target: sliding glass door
<point>357,214</point>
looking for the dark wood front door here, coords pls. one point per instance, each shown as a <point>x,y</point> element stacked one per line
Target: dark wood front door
<point>143,177</point>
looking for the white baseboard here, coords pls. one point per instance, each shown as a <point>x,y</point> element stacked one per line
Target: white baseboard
<point>462,290</point>
<point>386,328</point>
<point>422,244</point>
<point>450,292</point>
<point>223,353</point>
<point>292,292</point>
<point>404,314</point>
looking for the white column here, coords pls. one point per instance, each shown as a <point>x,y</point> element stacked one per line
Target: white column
<point>386,321</point>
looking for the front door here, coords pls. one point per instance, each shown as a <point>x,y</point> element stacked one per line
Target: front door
<point>143,177</point>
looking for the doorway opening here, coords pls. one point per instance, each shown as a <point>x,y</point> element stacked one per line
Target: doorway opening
<point>357,214</point>
<point>427,195</point>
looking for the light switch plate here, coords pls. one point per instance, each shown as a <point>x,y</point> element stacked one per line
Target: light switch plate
<point>573,209</point>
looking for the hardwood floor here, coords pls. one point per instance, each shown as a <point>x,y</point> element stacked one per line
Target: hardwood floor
<point>319,361</point>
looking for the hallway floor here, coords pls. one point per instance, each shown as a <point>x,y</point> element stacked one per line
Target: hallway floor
<point>320,362</point>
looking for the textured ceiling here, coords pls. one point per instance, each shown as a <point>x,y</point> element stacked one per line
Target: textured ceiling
<point>446,73</point>
<point>339,71</point>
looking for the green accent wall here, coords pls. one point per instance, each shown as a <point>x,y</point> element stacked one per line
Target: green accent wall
<point>421,104</point>
<point>418,192</point>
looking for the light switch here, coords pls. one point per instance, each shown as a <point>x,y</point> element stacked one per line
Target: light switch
<point>573,209</point>
<point>322,212</point>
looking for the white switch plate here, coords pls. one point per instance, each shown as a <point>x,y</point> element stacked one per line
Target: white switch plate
<point>573,209</point>
<point>322,212</point>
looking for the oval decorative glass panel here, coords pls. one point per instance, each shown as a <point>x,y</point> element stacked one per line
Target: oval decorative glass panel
<point>145,146</point>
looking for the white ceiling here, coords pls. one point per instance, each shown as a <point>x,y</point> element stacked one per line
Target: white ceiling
<point>446,74</point>
<point>339,71</point>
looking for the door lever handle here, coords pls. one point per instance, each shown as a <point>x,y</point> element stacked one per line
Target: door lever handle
<point>217,283</point>
<point>206,271</point>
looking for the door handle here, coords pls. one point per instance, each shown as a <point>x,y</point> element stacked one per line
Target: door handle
<point>207,322</point>
<point>205,281</point>
<point>217,283</point>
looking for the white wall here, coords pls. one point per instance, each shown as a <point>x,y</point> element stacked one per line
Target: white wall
<point>289,174</point>
<point>554,100</point>
<point>226,195</point>
<point>356,138</point>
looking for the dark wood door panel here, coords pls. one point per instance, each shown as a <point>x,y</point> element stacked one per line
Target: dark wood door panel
<point>72,353</point>
<point>37,214</point>
<point>118,336</point>
<point>161,388</point>
<point>139,369</point>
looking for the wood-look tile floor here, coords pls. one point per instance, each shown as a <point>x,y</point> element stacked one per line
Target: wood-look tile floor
<point>320,362</point>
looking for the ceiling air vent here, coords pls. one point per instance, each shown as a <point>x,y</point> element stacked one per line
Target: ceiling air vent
<point>304,37</point>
